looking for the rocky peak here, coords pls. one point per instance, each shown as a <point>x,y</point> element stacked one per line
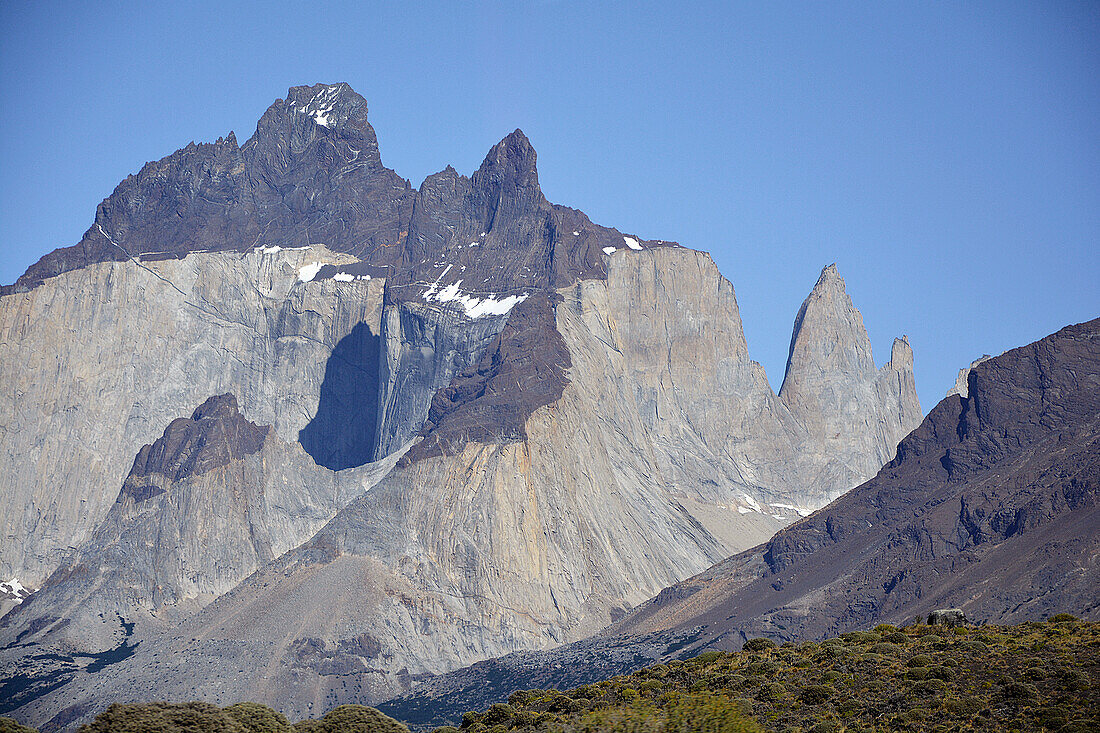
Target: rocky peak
<point>828,336</point>
<point>332,115</point>
<point>511,162</point>
<point>214,435</point>
<point>901,354</point>
<point>960,387</point>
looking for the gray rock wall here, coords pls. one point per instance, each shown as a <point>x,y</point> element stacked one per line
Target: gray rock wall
<point>97,361</point>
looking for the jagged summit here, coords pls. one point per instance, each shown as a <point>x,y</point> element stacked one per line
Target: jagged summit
<point>828,333</point>
<point>515,423</point>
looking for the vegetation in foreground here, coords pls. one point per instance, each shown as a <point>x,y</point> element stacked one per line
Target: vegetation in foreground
<point>1031,677</point>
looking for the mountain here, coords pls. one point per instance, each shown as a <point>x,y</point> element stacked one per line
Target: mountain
<point>434,425</point>
<point>991,506</point>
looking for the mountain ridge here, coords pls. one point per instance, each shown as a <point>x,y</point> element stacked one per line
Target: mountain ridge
<point>532,423</point>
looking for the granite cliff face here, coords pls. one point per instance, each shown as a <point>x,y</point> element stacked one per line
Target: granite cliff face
<point>991,505</point>
<point>586,425</point>
<point>853,411</point>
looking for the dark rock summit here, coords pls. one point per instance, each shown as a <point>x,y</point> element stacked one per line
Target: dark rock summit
<point>311,173</point>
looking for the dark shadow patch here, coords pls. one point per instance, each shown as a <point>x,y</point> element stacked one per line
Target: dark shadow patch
<point>341,434</point>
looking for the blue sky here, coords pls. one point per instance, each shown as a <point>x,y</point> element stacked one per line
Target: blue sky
<point>945,155</point>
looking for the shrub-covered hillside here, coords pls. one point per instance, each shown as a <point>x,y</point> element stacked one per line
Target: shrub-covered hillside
<point>1035,676</point>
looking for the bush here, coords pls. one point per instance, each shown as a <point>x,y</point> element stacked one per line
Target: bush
<point>1075,680</point>
<point>162,717</point>
<point>941,673</point>
<point>711,713</point>
<point>9,725</point>
<point>1019,691</point>
<point>816,694</point>
<point>358,719</point>
<point>758,644</point>
<point>771,692</point>
<point>1060,618</point>
<point>920,660</point>
<point>256,718</point>
<point>498,713</point>
<point>708,657</point>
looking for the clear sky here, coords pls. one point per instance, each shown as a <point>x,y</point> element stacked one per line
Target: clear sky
<point>945,155</point>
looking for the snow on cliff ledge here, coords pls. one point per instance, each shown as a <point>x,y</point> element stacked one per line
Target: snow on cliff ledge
<point>474,307</point>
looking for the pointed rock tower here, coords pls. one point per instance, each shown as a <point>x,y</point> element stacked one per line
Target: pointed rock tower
<point>833,388</point>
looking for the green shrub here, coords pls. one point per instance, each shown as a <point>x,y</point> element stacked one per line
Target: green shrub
<point>974,646</point>
<point>358,719</point>
<point>929,688</point>
<point>445,729</point>
<point>1060,618</point>
<point>826,726</point>
<point>918,673</point>
<point>885,647</point>
<point>10,725</point>
<point>708,657</point>
<point>771,692</point>
<point>705,712</point>
<point>256,718</point>
<point>1075,680</point>
<point>1052,717</point>
<point>161,717</point>
<point>1019,691</point>
<point>499,713</point>
<point>1035,673</point>
<point>816,694</point>
<point>759,644</point>
<point>941,672</point>
<point>895,637</point>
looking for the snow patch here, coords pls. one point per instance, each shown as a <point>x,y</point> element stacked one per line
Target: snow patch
<point>801,512</point>
<point>473,306</point>
<point>752,503</point>
<point>308,272</point>
<point>576,234</point>
<point>344,277</point>
<point>320,107</point>
<point>632,243</point>
<point>14,588</point>
<point>609,250</point>
<point>743,510</point>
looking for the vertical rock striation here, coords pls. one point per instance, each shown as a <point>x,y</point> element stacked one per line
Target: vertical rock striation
<point>855,413</point>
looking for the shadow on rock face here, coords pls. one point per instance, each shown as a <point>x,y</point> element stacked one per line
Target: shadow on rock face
<point>340,435</point>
